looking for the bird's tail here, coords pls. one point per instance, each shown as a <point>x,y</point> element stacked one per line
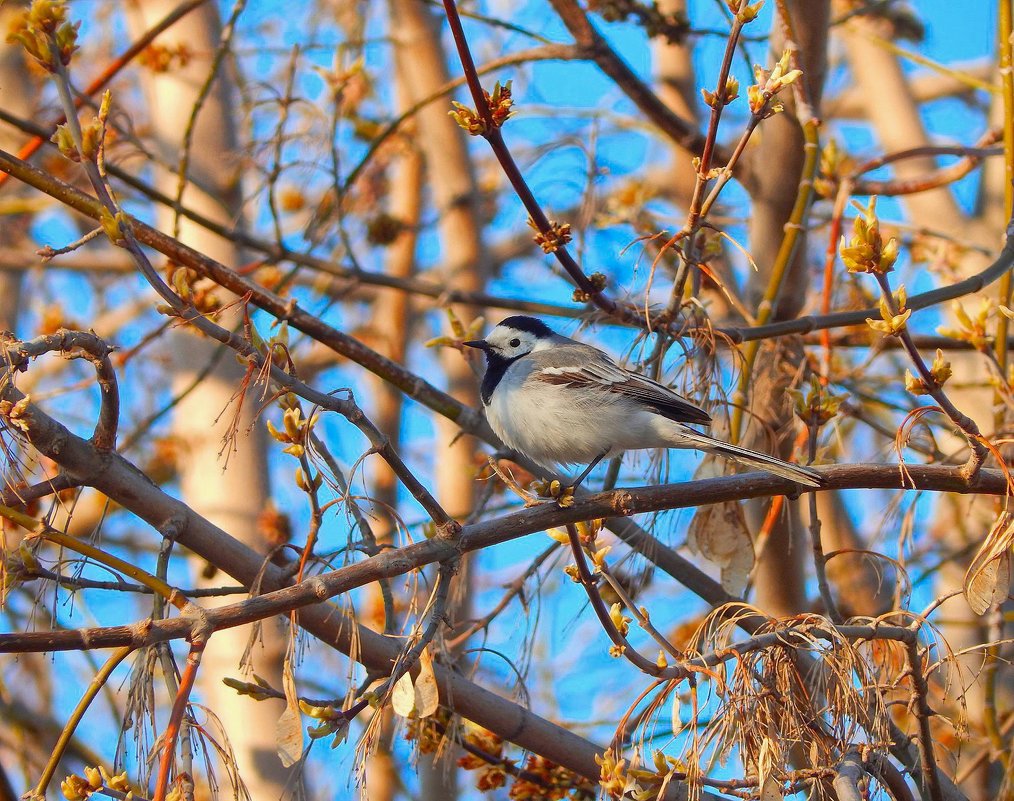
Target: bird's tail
<point>770,464</point>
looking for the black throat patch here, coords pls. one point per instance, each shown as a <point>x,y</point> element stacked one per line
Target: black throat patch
<point>496,366</point>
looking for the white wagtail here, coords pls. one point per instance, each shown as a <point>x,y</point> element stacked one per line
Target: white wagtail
<point>561,402</point>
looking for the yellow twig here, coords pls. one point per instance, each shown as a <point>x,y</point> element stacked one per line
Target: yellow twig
<point>961,77</point>
<point>779,270</point>
<point>39,527</point>
<point>82,706</point>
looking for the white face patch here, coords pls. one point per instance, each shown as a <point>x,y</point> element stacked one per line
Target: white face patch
<point>509,343</point>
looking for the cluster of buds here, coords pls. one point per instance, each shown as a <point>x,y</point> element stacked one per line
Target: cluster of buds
<point>674,25</point>
<point>598,283</point>
<point>817,406</point>
<point>114,226</point>
<point>187,283</point>
<point>613,777</point>
<point>620,620</point>
<point>552,240</point>
<point>460,331</point>
<point>587,534</point>
<point>499,104</point>
<point>295,429</point>
<point>45,33</point>
<point>16,566</point>
<point>383,229</point>
<point>745,12</point>
<point>619,781</point>
<point>939,372</point>
<point>564,496</point>
<point>91,139</point>
<point>258,689</point>
<point>78,788</point>
<point>275,347</point>
<point>15,414</point>
<point>972,329</point>
<point>333,721</point>
<point>866,251</point>
<point>160,58</point>
<point>835,164</point>
<point>428,732</point>
<point>724,96</point>
<point>770,83</point>
<point>711,174</point>
<point>653,782</point>
<point>893,317</point>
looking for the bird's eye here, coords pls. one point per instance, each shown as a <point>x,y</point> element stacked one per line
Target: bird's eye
<point>515,343</point>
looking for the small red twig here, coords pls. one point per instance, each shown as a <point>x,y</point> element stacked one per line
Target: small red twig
<point>830,259</point>
<point>172,730</point>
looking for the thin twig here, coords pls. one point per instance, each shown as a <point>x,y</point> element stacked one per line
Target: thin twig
<point>921,709</point>
<point>620,643</point>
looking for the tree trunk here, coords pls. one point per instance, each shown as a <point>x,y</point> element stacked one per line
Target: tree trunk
<point>225,483</point>
<point>780,571</point>
<point>420,65</point>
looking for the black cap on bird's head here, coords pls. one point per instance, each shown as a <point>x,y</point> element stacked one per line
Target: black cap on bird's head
<point>519,323</point>
<point>531,325</point>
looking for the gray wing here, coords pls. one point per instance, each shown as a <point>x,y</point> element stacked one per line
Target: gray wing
<point>582,366</point>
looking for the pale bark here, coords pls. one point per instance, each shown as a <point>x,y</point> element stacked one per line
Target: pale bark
<point>895,116</point>
<point>677,88</point>
<point>225,483</point>
<point>779,574</point>
<point>392,313</point>
<point>420,65</point>
<point>18,93</point>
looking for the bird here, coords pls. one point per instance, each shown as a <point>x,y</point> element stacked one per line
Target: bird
<point>561,402</point>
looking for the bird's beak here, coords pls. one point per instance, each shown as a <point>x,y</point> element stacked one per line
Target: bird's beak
<point>481,344</point>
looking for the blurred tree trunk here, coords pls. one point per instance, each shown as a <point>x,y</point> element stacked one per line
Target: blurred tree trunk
<point>895,114</point>
<point>19,94</point>
<point>390,336</point>
<point>19,91</point>
<point>421,69</point>
<point>676,87</point>
<point>781,568</point>
<point>228,484</point>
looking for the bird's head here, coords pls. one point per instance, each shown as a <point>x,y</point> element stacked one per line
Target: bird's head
<point>513,338</point>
